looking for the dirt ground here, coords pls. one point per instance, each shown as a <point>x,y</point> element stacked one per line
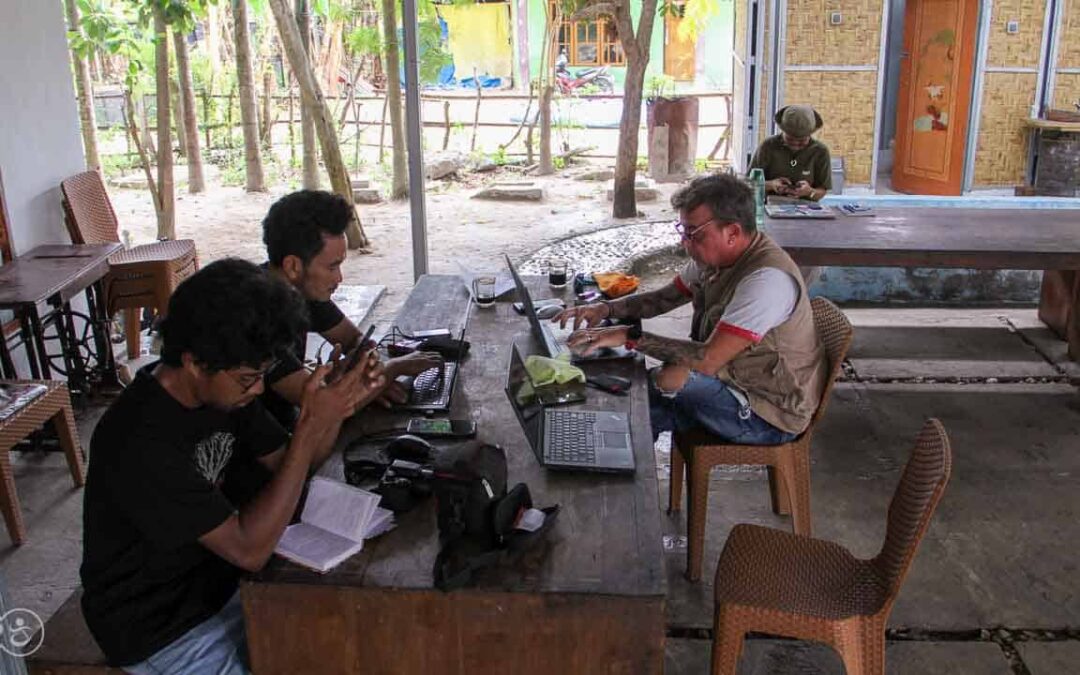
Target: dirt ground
<point>226,221</point>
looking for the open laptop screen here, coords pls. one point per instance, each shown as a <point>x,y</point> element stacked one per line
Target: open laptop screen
<point>530,309</point>
<point>523,398</point>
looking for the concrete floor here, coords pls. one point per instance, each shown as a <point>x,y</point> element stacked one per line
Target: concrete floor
<point>993,588</point>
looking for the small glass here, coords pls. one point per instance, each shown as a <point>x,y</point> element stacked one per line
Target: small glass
<point>558,271</point>
<point>484,290</point>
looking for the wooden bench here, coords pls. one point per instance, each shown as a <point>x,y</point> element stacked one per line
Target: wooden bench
<point>69,648</point>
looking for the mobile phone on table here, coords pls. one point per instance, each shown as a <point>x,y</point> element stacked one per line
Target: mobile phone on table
<point>613,384</point>
<point>441,428</point>
<point>353,357</point>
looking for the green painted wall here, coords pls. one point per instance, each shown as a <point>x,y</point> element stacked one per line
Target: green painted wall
<point>713,52</point>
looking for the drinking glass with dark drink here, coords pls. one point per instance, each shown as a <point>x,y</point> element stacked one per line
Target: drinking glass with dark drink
<point>558,272</point>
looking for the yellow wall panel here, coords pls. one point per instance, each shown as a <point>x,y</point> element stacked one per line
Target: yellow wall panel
<point>846,101</point>
<point>1067,91</point>
<point>811,40</point>
<point>1002,154</point>
<point>1069,32</point>
<point>1020,49</point>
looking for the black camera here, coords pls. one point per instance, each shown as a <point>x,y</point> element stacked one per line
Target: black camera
<point>404,485</point>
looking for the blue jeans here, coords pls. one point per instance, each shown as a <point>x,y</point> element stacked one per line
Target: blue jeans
<point>707,403</point>
<point>214,647</point>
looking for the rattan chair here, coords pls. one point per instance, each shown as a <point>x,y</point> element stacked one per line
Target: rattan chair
<point>141,276</point>
<point>698,451</point>
<point>54,405</point>
<point>770,581</point>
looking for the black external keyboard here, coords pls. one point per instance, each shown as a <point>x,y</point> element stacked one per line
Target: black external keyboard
<point>571,437</point>
<point>432,387</point>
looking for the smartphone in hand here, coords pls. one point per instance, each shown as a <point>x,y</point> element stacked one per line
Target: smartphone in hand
<point>352,358</point>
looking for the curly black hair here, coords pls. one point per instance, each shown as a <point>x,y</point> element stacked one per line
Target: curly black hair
<point>229,314</point>
<point>729,198</point>
<point>296,223</point>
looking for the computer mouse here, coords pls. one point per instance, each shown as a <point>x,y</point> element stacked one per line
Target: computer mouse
<point>547,312</point>
<point>410,448</point>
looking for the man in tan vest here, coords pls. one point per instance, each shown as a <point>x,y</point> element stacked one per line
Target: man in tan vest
<point>754,368</point>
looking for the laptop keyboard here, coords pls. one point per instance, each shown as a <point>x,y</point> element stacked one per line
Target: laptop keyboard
<point>571,437</point>
<point>429,388</point>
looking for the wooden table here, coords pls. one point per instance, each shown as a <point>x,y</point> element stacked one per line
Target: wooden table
<point>590,600</point>
<point>38,287</point>
<point>1047,239</point>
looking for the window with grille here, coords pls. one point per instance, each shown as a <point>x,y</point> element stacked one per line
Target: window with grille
<point>591,42</point>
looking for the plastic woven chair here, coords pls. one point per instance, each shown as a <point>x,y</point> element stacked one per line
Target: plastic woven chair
<point>141,276</point>
<point>698,451</point>
<point>770,581</point>
<point>54,405</point>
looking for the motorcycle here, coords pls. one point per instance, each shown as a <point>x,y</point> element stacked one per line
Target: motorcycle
<point>568,82</point>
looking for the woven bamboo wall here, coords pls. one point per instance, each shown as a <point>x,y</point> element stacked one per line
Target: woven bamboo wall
<point>1069,30</point>
<point>1067,91</point>
<point>812,41</point>
<point>1067,85</point>
<point>846,101</point>
<point>1002,153</point>
<point>764,114</point>
<point>1022,49</point>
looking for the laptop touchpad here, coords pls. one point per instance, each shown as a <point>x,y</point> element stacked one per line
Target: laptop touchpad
<point>614,440</point>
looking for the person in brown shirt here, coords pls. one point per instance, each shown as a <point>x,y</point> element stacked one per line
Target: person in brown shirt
<point>795,164</point>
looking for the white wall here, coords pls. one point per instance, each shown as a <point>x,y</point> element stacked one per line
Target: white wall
<point>40,144</point>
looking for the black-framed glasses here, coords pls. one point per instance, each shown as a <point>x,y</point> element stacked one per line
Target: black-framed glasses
<point>250,380</point>
<point>691,235</point>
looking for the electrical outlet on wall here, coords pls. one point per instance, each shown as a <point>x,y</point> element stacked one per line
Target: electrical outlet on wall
<point>836,18</point>
<point>1012,27</point>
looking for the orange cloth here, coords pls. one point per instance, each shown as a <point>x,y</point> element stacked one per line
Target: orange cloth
<point>616,284</point>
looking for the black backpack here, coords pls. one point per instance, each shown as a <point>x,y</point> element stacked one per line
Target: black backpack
<point>476,513</point>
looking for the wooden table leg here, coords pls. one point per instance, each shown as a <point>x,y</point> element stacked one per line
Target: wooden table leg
<point>1059,306</point>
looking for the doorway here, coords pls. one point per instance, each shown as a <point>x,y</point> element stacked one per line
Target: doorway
<point>937,62</point>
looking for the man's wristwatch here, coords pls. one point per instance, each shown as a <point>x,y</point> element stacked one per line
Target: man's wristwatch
<point>633,334</point>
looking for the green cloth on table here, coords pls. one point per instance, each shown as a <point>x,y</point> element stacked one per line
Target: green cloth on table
<point>544,371</point>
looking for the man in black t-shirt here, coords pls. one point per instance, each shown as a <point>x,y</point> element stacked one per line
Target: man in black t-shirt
<point>304,233</point>
<point>165,538</point>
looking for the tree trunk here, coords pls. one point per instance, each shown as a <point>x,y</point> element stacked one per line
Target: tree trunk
<point>133,133</point>
<point>625,198</point>
<point>324,123</point>
<point>196,179</point>
<point>400,185</point>
<point>307,126</point>
<point>266,133</point>
<point>249,117</point>
<point>636,49</point>
<point>547,166</point>
<point>178,117</point>
<point>84,91</point>
<point>166,211</point>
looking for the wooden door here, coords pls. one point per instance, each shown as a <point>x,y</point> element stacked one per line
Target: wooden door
<point>679,51</point>
<point>935,96</point>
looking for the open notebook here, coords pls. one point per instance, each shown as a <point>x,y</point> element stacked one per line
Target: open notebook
<point>337,518</point>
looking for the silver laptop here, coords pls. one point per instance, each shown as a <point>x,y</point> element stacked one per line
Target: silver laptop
<point>544,334</point>
<point>583,440</point>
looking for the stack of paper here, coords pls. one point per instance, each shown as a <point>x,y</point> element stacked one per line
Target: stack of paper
<point>336,520</point>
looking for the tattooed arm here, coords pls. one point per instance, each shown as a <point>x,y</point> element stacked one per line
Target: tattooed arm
<point>705,357</point>
<point>648,305</point>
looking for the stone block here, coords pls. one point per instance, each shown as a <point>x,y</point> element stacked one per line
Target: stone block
<point>442,166</point>
<point>511,192</point>
<point>644,189</point>
<point>596,175</point>
<point>367,195</point>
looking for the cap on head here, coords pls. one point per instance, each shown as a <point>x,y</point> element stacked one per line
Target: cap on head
<point>799,121</point>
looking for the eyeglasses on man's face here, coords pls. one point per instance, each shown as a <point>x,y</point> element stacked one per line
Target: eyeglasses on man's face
<point>691,233</point>
<point>248,380</point>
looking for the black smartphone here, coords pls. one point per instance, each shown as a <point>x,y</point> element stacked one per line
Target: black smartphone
<point>613,384</point>
<point>353,357</point>
<point>436,428</point>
